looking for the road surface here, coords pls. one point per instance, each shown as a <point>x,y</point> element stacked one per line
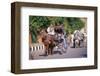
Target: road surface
<point>70,53</point>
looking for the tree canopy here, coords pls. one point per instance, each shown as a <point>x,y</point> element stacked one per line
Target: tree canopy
<point>36,23</point>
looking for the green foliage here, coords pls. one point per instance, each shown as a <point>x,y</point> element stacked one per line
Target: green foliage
<point>75,24</point>
<point>36,23</point>
<point>54,20</point>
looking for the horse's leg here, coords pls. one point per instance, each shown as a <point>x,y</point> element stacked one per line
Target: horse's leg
<point>46,49</point>
<point>74,45</point>
<point>79,43</point>
<point>50,50</point>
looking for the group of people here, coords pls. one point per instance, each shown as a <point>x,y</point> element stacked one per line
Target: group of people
<point>55,38</point>
<point>77,40</point>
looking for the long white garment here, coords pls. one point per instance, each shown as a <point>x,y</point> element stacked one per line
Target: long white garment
<point>65,41</point>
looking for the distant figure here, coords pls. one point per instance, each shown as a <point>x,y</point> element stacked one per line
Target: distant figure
<point>64,36</point>
<point>78,38</point>
<point>69,40</point>
<point>72,40</point>
<point>85,40</point>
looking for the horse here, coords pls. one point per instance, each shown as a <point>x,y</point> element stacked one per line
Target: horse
<point>48,42</point>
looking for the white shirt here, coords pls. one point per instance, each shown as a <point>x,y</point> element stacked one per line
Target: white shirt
<point>50,30</point>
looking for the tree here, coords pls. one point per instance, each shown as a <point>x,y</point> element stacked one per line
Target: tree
<point>36,23</point>
<point>75,24</point>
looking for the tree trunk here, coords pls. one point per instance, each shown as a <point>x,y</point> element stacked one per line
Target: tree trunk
<point>30,38</point>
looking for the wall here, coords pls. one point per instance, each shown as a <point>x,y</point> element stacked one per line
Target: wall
<point>5,27</point>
